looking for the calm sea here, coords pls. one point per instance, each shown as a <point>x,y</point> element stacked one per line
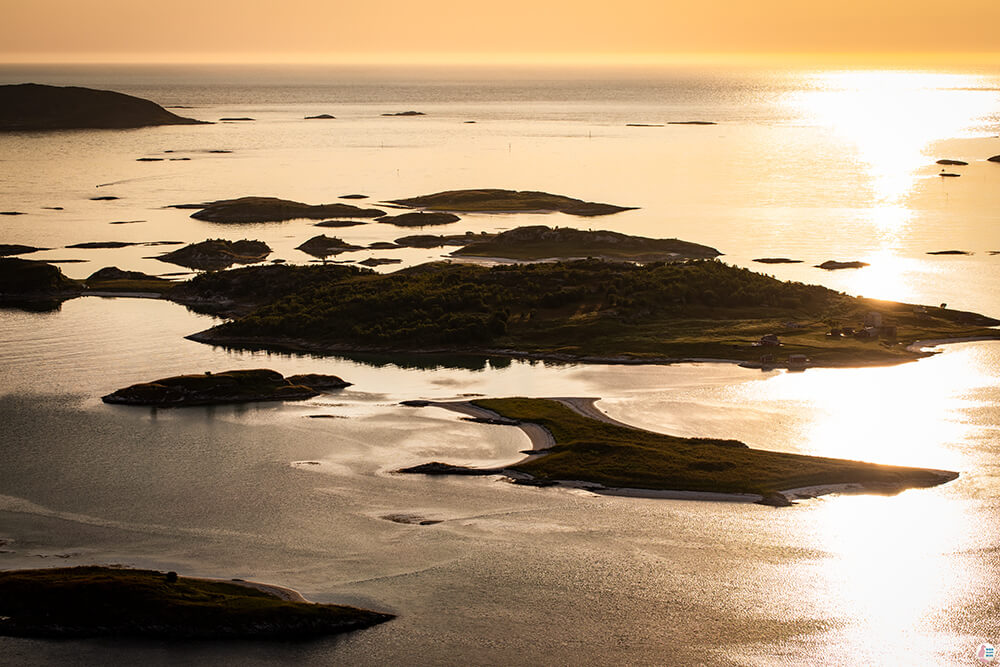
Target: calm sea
<point>807,165</point>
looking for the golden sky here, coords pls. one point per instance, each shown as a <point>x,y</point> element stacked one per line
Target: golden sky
<point>504,30</point>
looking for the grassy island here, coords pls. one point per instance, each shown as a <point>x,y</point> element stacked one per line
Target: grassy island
<point>595,311</point>
<point>102,601</point>
<point>617,456</point>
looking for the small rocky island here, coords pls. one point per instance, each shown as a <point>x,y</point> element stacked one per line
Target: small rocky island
<point>215,254</point>
<point>834,265</point>
<point>272,209</point>
<point>419,219</point>
<point>541,242</point>
<point>227,387</point>
<point>507,201</point>
<point>323,246</point>
<point>605,456</point>
<point>32,107</point>
<point>25,277</point>
<point>95,601</point>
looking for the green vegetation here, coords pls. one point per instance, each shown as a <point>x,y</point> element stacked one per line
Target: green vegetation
<point>540,242</point>
<point>95,601</point>
<point>214,388</point>
<point>507,201</point>
<point>588,310</point>
<point>616,456</point>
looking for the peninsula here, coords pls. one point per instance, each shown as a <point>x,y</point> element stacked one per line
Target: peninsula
<point>32,107</point>
<point>609,457</point>
<point>227,387</point>
<point>94,601</point>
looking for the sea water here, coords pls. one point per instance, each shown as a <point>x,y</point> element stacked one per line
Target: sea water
<point>806,165</point>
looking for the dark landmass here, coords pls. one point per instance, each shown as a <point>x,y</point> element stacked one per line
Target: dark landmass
<point>91,245</point>
<point>353,196</point>
<point>54,208</point>
<point>589,311</point>
<point>104,198</point>
<point>12,213</point>
<point>230,120</point>
<point>383,245</point>
<point>125,222</point>
<point>32,107</point>
<point>692,122</point>
<point>94,601</point>
<point>643,125</point>
<point>271,209</point>
<point>953,163</point>
<point>149,159</point>
<point>995,158</point>
<point>159,243</point>
<point>406,113</point>
<point>215,254</point>
<point>379,261</point>
<point>832,265</point>
<point>113,279</point>
<point>507,201</point>
<point>950,252</point>
<point>218,388</point>
<point>340,223</point>
<point>322,116</point>
<point>24,277</point>
<point>945,174</point>
<point>777,260</point>
<point>615,456</point>
<point>432,241</point>
<point>17,249</point>
<point>324,246</point>
<point>541,242</point>
<point>419,219</point>
<point>318,381</point>
<point>240,291</point>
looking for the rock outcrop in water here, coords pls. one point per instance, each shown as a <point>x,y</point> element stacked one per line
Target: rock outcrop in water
<point>33,107</point>
<point>17,249</point>
<point>507,201</point>
<point>218,254</point>
<point>226,387</point>
<point>272,209</point>
<point>833,265</point>
<point>324,246</point>
<point>419,219</point>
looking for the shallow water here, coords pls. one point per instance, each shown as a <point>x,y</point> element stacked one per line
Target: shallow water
<point>521,574</point>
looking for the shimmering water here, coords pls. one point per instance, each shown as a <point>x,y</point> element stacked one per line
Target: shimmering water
<point>811,165</point>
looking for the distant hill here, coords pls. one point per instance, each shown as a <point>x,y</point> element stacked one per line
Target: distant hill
<point>32,106</point>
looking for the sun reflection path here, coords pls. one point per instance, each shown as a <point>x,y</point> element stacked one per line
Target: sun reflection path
<point>891,118</point>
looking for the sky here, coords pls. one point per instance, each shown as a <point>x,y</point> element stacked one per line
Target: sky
<point>455,31</point>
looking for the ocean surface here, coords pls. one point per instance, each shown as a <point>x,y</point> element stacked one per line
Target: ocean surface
<point>810,165</point>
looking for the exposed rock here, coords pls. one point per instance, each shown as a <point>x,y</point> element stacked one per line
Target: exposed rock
<point>91,245</point>
<point>242,118</point>
<point>946,174</point>
<point>507,201</point>
<point>433,241</point>
<point>104,198</point>
<point>211,389</point>
<point>950,252</point>
<point>353,196</point>
<point>832,265</point>
<point>642,125</point>
<point>11,213</point>
<point>271,209</point>
<point>322,116</point>
<point>405,113</point>
<point>215,254</point>
<point>411,519</point>
<point>692,122</point>
<point>379,261</point>
<point>54,208</point>
<point>340,223</point>
<point>112,273</point>
<point>324,246</point>
<point>953,163</point>
<point>995,158</point>
<point>415,403</point>
<point>16,249</point>
<point>533,481</point>
<point>31,106</point>
<point>438,468</point>
<point>495,421</point>
<point>149,159</point>
<point>318,381</point>
<point>777,260</point>
<point>125,222</point>
<point>775,499</point>
<point>383,245</point>
<point>419,219</point>
<point>26,277</point>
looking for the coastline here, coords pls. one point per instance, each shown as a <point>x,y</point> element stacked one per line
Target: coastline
<point>541,440</point>
<point>280,592</point>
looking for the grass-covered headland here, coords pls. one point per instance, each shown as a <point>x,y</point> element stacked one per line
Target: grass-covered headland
<point>591,310</point>
<point>102,601</point>
<point>616,456</point>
